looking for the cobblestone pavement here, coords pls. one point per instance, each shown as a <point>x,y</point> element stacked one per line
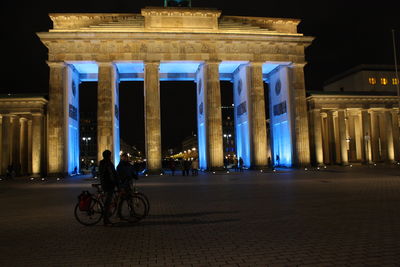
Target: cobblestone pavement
<point>335,217</point>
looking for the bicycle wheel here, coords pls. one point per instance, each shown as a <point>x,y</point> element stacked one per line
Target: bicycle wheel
<point>133,208</point>
<point>92,216</point>
<point>146,200</point>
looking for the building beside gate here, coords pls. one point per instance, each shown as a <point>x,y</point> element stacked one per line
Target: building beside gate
<point>23,130</point>
<point>356,118</point>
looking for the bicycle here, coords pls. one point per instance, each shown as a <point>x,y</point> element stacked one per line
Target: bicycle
<point>135,191</point>
<point>129,206</point>
<point>133,205</point>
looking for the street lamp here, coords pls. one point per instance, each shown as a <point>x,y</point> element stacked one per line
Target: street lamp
<point>86,139</point>
<point>227,136</point>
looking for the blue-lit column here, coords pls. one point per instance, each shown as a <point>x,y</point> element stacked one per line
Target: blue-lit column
<point>56,123</point>
<point>108,111</point>
<point>72,140</point>
<point>209,116</point>
<point>152,115</point>
<point>242,123</point>
<point>281,117</point>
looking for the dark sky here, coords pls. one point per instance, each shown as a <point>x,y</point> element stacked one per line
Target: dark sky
<point>347,34</point>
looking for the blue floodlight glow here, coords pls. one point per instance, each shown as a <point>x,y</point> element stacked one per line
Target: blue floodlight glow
<point>130,67</point>
<point>282,143</point>
<point>202,146</point>
<point>73,121</point>
<point>179,67</point>
<point>230,66</point>
<point>86,66</point>
<point>243,142</point>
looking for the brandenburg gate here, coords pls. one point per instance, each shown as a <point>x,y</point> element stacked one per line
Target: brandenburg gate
<point>173,44</point>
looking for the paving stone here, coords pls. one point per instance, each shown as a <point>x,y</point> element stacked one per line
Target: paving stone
<point>336,217</point>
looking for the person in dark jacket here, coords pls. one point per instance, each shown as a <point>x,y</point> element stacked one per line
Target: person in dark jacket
<point>108,179</point>
<point>126,171</point>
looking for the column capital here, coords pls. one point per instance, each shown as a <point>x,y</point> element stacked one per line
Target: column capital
<point>210,62</point>
<point>149,62</point>
<point>37,114</point>
<point>23,119</point>
<point>255,63</point>
<point>56,64</point>
<point>105,63</point>
<point>298,65</point>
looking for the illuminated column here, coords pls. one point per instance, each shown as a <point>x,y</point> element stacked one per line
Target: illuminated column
<point>71,117</point>
<point>15,143</point>
<point>23,145</point>
<point>383,134</point>
<point>302,151</point>
<point>1,144</point>
<point>212,95</point>
<point>256,104</point>
<point>108,111</point>
<point>56,123</point>
<point>342,137</point>
<point>389,135</point>
<point>316,123</point>
<point>352,136</point>
<point>6,145</point>
<point>29,159</point>
<point>37,147</point>
<point>152,115</point>
<point>331,137</point>
<point>396,136</point>
<point>375,136</point>
<point>242,124</point>
<point>366,132</point>
<point>325,136</point>
<point>358,136</point>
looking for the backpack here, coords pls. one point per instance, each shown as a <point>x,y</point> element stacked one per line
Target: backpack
<point>84,200</point>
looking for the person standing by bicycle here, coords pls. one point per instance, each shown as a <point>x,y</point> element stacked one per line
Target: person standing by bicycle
<point>126,172</point>
<point>108,179</point>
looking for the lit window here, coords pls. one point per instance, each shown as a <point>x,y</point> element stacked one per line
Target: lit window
<point>384,81</point>
<point>372,80</point>
<point>395,81</point>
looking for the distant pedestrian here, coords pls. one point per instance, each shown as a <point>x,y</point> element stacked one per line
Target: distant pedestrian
<point>236,164</point>
<point>226,162</point>
<point>172,166</point>
<point>195,167</point>
<point>240,164</point>
<point>277,160</point>
<point>94,171</point>
<point>108,179</point>
<point>186,166</point>
<point>183,167</point>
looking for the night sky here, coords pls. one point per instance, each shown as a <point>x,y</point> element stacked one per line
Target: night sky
<point>347,34</point>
